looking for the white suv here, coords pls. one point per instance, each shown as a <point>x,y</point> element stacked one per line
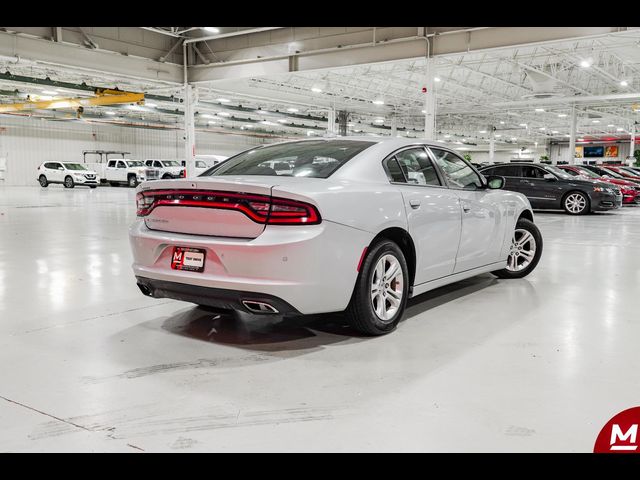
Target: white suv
<point>168,168</point>
<point>68,174</point>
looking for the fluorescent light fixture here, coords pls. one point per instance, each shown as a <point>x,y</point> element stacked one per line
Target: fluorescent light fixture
<point>206,115</point>
<point>595,121</point>
<point>562,115</point>
<point>211,122</point>
<point>611,125</point>
<point>447,136</point>
<point>539,109</point>
<point>483,131</point>
<point>378,102</point>
<point>567,135</point>
<point>379,120</point>
<point>350,124</point>
<point>436,79</point>
<point>316,89</point>
<point>150,105</point>
<point>224,114</point>
<point>424,111</point>
<point>283,120</point>
<point>247,126</point>
<point>513,139</point>
<point>211,29</point>
<point>581,139</point>
<point>619,129</point>
<point>110,112</point>
<point>292,110</point>
<point>50,92</point>
<point>501,122</point>
<point>462,148</point>
<point>45,97</point>
<point>585,63</point>
<point>309,133</point>
<point>624,83</point>
<point>267,122</point>
<point>554,131</point>
<point>263,112</point>
<point>497,136</point>
<point>542,128</point>
<point>523,124</point>
<point>223,100</point>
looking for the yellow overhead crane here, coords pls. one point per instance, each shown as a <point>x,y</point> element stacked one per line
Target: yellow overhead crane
<point>104,96</point>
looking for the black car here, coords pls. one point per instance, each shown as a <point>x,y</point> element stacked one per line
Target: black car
<point>548,187</point>
<point>605,172</point>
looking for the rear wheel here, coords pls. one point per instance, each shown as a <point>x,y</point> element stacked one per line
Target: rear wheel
<point>44,183</point>
<point>92,186</point>
<point>132,181</point>
<point>576,203</point>
<point>380,295</point>
<point>68,182</point>
<point>525,251</point>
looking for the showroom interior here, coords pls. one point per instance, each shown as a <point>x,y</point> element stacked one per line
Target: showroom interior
<point>94,363</point>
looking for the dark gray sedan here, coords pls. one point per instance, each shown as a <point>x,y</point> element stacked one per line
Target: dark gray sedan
<point>548,187</point>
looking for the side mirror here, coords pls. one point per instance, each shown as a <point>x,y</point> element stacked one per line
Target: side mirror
<point>495,182</point>
<point>550,177</point>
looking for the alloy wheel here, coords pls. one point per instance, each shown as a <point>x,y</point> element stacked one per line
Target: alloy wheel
<point>387,284</point>
<point>522,251</point>
<point>575,203</point>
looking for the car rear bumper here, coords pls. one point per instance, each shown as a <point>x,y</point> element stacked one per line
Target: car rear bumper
<point>312,269</point>
<point>216,297</point>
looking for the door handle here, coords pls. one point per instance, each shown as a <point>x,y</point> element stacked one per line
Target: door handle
<point>466,208</point>
<point>414,204</point>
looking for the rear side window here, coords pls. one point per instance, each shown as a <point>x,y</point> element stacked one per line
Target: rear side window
<point>417,167</point>
<point>315,159</point>
<point>568,171</point>
<point>121,165</point>
<point>394,172</point>
<point>50,165</point>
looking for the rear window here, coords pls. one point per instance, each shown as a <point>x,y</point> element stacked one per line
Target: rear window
<point>316,159</point>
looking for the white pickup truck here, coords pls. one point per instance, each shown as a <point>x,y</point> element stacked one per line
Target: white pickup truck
<point>126,171</point>
<point>168,168</point>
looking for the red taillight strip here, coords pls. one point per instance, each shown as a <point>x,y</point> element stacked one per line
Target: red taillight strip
<point>308,216</point>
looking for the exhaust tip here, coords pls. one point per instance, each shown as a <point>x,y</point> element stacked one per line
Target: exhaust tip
<point>145,290</point>
<point>259,307</point>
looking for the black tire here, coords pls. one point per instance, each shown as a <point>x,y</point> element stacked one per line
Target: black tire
<point>44,183</point>
<point>68,182</point>
<point>132,181</point>
<point>528,225</point>
<point>92,186</point>
<point>360,312</point>
<point>166,176</point>
<point>570,195</point>
<point>113,184</point>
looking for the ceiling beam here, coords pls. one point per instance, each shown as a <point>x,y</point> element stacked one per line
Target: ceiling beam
<point>460,41</point>
<point>92,60</point>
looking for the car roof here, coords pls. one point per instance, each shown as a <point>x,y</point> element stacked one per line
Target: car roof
<point>392,141</point>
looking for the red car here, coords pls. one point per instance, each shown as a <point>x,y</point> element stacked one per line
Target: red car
<point>630,190</point>
<point>621,171</point>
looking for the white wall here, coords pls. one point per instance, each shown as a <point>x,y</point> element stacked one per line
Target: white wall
<point>26,143</point>
<point>505,155</point>
<point>561,152</point>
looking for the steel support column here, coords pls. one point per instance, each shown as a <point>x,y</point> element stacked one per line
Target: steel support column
<point>572,137</point>
<point>430,102</point>
<point>632,140</point>
<point>492,145</point>
<point>331,122</point>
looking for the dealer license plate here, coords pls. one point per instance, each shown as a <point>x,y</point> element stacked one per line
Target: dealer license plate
<point>187,258</point>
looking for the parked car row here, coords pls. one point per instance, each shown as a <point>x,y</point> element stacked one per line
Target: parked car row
<point>576,189</point>
<point>122,171</point>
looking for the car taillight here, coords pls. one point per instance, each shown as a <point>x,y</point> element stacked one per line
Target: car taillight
<point>259,208</point>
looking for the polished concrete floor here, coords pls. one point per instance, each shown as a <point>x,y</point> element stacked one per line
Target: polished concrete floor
<point>89,364</point>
